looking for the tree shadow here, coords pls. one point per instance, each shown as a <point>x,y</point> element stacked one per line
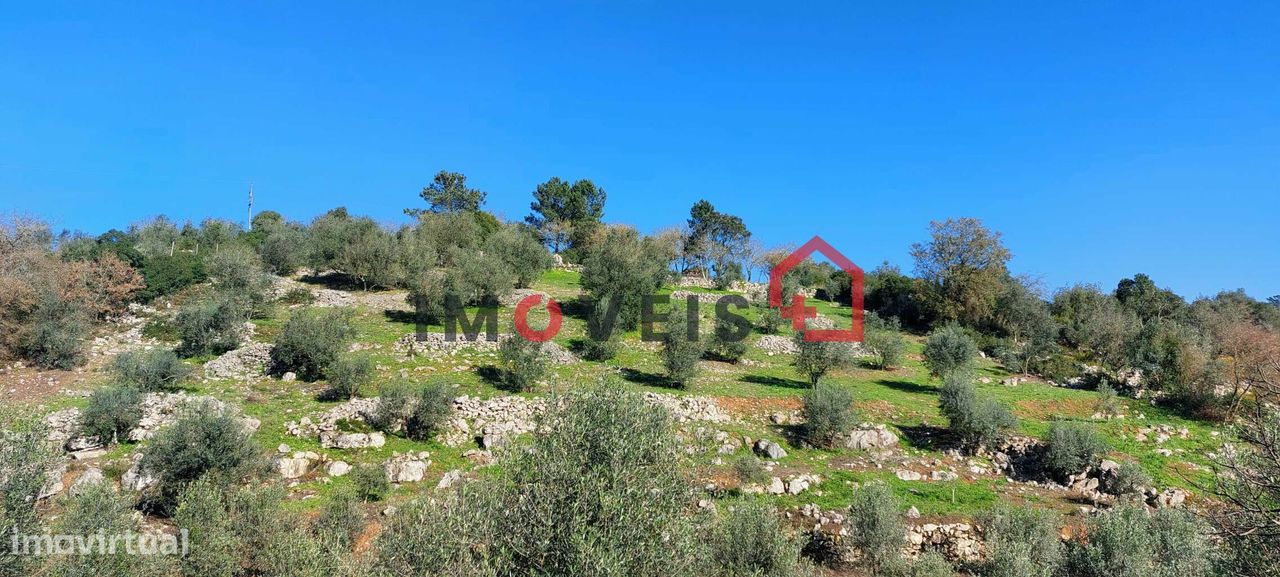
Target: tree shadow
<point>774,381</point>
<point>491,374</point>
<point>928,437</point>
<point>333,280</point>
<point>402,317</point>
<point>646,378</point>
<point>578,308</point>
<point>907,387</point>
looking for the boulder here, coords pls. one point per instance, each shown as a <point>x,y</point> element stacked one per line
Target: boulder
<point>291,467</point>
<point>338,468</point>
<point>869,438</point>
<point>769,449</point>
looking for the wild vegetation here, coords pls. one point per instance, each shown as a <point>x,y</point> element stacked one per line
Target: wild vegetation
<point>288,393</point>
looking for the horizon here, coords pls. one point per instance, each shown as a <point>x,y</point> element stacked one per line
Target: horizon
<point>1097,153</point>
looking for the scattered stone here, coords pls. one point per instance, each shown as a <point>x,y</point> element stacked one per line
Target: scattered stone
<point>338,468</point>
<point>869,437</point>
<point>769,449</point>
<point>247,362</point>
<point>449,479</point>
<point>406,468</point>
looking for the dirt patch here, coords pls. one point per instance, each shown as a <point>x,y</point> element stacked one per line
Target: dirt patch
<point>364,541</point>
<point>757,407</point>
<point>26,385</point>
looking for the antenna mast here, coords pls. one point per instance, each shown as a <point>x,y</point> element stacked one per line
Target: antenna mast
<point>248,224</point>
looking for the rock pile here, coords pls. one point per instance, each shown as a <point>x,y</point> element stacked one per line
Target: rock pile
<point>682,296</point>
<point>126,333</point>
<point>247,362</point>
<point>955,541</point>
<point>685,409</point>
<point>520,294</point>
<point>158,411</point>
<point>777,345</point>
<point>696,281</point>
<point>407,468</point>
<point>869,437</point>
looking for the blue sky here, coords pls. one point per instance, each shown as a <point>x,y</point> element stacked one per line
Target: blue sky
<point>1101,140</point>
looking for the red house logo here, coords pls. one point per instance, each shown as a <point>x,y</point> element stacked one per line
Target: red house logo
<point>798,312</point>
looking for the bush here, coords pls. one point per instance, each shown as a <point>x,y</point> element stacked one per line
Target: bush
<point>977,421</point>
<point>1129,479</point>
<point>519,248</point>
<point>151,370</point>
<point>888,345</point>
<point>311,341</point>
<point>1021,542</point>
<point>1108,401</point>
<point>395,403</point>
<point>298,296</point>
<point>111,413</point>
<point>27,459</point>
<point>876,528</point>
<point>205,442</point>
<point>346,375</point>
<point>626,267</point>
<point>57,337</point>
<point>97,509</point>
<point>828,412</point>
<point>434,406</point>
<point>817,358</point>
<point>770,320</point>
<point>949,349</point>
<point>523,363</point>
<point>750,470</point>
<point>680,354</point>
<point>202,511</point>
<point>1129,542</point>
<point>169,274</point>
<point>724,345</point>
<point>751,540</point>
<point>930,564</point>
<point>236,273</point>
<point>370,482</point>
<point>1071,449</point>
<point>341,519</point>
<point>209,327</point>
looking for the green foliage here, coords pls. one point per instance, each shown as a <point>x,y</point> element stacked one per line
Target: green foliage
<point>205,442</point>
<point>431,410</point>
<point>395,404</point>
<point>236,273</point>
<point>202,511</point>
<point>625,267</point>
<point>977,421</point>
<point>341,519</point>
<point>111,413</point>
<point>749,469</point>
<point>282,245</point>
<point>827,412</point>
<point>963,270</point>
<point>517,247</point>
<point>1070,449</point>
<point>876,528</point>
<point>601,343</point>
<point>566,215</point>
<point>1095,322</point>
<point>1021,542</point>
<point>751,540</point>
<point>347,374</point>
<point>680,354</point>
<point>57,337</point>
<point>97,508</point>
<point>26,459</point>
<point>165,275</point>
<point>724,342</point>
<point>370,482</point>
<point>716,239</point>
<point>1130,480</point>
<point>891,294</point>
<point>312,341</point>
<point>884,339</point>
<point>150,370</point>
<point>298,296</point>
<point>770,320</point>
<point>930,564</point>
<point>815,359</point>
<point>1108,403</point>
<point>448,192</point>
<point>209,327</point>
<point>1128,542</point>
<point>523,363</point>
<point>949,349</point>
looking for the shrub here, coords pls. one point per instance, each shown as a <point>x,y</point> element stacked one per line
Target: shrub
<point>949,349</point>
<point>210,327</point>
<point>434,406</point>
<point>876,528</point>
<point>1129,479</point>
<point>202,511</point>
<point>298,296</point>
<point>259,522</point>
<point>26,459</point>
<point>930,564</point>
<point>206,441</point>
<point>57,337</point>
<point>97,508</point>
<point>680,354</point>
<point>828,412</point>
<point>770,320</point>
<point>977,421</point>
<point>341,519</point>
<point>395,403</point>
<point>750,470</point>
<point>626,267</point>
<point>236,273</point>
<point>1021,542</point>
<point>888,346</point>
<point>1108,401</point>
<point>523,363</point>
<point>817,358</point>
<point>724,343</point>
<point>1129,542</point>
<point>111,413</point>
<point>1070,449</point>
<point>151,370</point>
<point>169,274</point>
<point>311,341</point>
<point>519,248</point>
<point>370,482</point>
<point>751,540</point>
<point>346,375</point>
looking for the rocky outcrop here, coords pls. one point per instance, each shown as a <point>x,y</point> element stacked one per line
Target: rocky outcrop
<point>868,438</point>
<point>777,345</point>
<point>769,449</point>
<point>158,411</point>
<point>407,468</point>
<point>247,362</point>
<point>437,344</point>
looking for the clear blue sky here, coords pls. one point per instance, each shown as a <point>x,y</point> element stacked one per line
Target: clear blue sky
<point>1102,139</point>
